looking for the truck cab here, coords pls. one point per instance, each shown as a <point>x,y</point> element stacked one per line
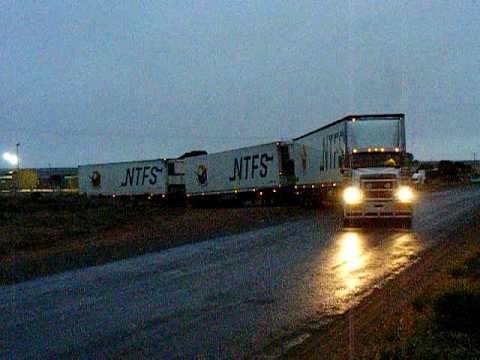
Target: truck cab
<point>378,187</point>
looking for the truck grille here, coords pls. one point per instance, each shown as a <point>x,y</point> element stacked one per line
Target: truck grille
<point>379,194</point>
<point>378,188</point>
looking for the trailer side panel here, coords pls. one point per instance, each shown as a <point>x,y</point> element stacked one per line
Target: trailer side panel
<point>238,170</point>
<point>126,178</point>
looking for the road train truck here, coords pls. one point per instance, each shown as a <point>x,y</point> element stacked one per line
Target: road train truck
<point>363,159</point>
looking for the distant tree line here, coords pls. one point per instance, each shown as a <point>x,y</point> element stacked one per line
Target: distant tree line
<point>451,171</point>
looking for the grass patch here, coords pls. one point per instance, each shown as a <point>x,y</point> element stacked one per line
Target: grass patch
<point>458,310</point>
<point>443,321</point>
<point>471,268</point>
<point>420,302</point>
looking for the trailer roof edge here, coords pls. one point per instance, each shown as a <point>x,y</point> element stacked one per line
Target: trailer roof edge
<point>126,162</point>
<point>398,115</point>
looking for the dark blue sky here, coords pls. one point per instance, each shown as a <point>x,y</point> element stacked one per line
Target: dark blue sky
<point>93,82</point>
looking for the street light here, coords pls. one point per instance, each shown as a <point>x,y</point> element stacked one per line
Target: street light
<point>12,159</point>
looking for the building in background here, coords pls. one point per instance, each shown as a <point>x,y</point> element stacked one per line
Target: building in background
<point>39,180</point>
<point>475,165</point>
<point>6,180</point>
<point>25,179</point>
<point>58,178</point>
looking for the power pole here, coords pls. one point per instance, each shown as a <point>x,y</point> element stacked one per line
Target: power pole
<point>18,158</point>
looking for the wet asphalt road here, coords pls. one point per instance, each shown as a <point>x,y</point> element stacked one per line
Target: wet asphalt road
<point>223,298</point>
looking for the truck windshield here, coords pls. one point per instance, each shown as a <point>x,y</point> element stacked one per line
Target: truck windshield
<point>364,160</point>
<point>370,133</point>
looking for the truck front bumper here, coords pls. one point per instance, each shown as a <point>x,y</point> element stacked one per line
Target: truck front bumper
<point>378,209</point>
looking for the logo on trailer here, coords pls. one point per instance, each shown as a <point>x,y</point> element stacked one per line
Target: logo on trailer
<point>251,167</point>
<point>139,176</point>
<point>96,179</point>
<point>202,174</point>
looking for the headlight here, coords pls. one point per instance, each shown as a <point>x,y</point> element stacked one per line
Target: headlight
<point>405,194</point>
<point>352,195</point>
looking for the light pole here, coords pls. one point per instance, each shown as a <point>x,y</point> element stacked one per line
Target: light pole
<point>18,157</point>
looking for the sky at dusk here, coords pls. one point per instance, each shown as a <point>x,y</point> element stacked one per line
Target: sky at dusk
<point>85,82</point>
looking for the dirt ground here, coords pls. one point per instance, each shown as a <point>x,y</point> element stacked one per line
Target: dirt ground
<point>46,236</point>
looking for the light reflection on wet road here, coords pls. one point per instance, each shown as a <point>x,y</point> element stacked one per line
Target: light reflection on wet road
<point>356,260</point>
<point>350,262</point>
<point>222,298</point>
<point>362,258</point>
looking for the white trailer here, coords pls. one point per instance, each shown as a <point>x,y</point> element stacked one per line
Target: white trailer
<point>259,170</point>
<point>319,155</point>
<point>132,178</point>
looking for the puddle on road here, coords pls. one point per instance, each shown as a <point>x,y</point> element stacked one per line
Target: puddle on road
<point>360,261</point>
<point>350,259</point>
